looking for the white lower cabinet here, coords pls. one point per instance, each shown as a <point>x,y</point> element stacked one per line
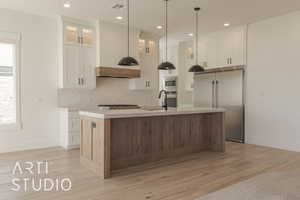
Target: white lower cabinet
<point>69,129</point>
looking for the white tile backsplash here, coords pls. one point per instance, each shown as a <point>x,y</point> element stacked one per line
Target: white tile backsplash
<point>108,91</point>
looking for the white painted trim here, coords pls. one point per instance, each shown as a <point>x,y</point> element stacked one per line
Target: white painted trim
<point>15,38</point>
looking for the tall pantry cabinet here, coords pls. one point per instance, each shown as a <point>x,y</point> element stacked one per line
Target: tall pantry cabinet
<point>77,67</point>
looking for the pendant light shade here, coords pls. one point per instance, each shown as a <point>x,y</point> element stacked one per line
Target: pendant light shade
<point>196,67</point>
<point>128,61</point>
<point>166,65</point>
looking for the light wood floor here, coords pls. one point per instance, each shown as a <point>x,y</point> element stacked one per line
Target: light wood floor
<point>185,179</point>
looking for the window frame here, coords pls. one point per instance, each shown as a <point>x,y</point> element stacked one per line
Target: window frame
<point>14,38</point>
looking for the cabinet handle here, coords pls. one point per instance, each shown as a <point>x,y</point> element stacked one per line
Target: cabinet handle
<point>230,60</point>
<point>217,94</point>
<point>79,81</point>
<point>148,83</point>
<point>94,125</point>
<point>213,94</point>
<point>227,61</point>
<point>78,40</point>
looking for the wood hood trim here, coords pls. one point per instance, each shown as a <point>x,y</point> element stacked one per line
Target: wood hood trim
<point>222,69</point>
<point>114,72</point>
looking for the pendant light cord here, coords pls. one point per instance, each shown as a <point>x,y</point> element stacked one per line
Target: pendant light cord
<point>128,30</point>
<point>197,31</point>
<point>166,30</point>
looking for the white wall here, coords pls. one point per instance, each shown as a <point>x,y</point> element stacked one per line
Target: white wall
<point>113,43</point>
<point>273,95</point>
<point>38,81</point>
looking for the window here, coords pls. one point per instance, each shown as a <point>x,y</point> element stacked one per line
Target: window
<point>9,80</point>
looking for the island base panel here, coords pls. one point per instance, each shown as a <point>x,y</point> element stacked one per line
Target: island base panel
<point>95,145</point>
<point>114,144</point>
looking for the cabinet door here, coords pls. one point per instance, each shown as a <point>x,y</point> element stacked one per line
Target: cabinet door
<point>71,34</point>
<point>211,52</point>
<point>88,66</point>
<point>204,93</point>
<point>139,84</point>
<point>148,64</point>
<point>238,46</point>
<point>72,66</point>
<point>87,36</point>
<point>142,47</point>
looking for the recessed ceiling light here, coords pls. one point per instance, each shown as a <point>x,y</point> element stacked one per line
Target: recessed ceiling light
<point>227,24</point>
<point>191,34</point>
<point>67,5</point>
<point>119,17</point>
<point>159,27</point>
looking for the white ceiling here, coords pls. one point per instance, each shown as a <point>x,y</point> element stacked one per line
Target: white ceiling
<point>150,13</point>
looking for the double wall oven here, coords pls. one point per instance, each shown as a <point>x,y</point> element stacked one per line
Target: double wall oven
<point>170,85</point>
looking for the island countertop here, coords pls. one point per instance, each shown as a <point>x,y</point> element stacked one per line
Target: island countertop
<point>112,114</point>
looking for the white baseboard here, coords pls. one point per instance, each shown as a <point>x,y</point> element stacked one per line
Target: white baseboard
<point>71,147</point>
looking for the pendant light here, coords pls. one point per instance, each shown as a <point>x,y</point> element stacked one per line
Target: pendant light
<point>196,67</point>
<point>128,61</point>
<point>166,65</point>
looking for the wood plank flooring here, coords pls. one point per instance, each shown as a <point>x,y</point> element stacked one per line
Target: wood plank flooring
<point>185,178</point>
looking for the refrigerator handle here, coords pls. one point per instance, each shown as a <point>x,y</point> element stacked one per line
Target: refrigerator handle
<point>213,93</point>
<point>217,94</point>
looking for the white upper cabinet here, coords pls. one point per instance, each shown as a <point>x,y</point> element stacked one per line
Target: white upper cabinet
<point>223,48</point>
<point>78,56</point>
<point>148,54</point>
<point>87,36</point>
<point>75,34</point>
<point>231,47</point>
<point>71,34</point>
<point>88,64</point>
<point>71,67</point>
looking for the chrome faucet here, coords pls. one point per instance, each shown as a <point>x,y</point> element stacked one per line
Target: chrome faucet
<point>165,102</point>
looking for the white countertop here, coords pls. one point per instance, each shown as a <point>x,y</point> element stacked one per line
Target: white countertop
<point>111,114</point>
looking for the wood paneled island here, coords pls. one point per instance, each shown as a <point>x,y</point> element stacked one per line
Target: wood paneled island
<point>118,139</point>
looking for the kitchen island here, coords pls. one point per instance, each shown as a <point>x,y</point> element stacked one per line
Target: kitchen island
<point>118,139</point>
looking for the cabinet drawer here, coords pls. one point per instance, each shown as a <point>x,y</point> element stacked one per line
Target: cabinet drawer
<point>74,125</point>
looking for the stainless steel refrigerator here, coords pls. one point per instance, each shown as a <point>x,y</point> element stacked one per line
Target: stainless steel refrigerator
<point>223,90</point>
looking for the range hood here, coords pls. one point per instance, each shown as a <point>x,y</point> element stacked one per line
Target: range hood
<point>115,72</point>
